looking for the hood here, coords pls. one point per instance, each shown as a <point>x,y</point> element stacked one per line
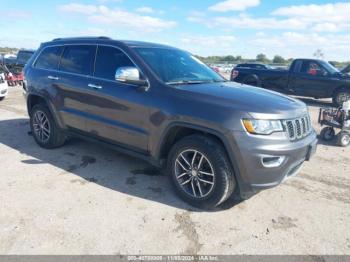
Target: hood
<point>258,102</point>
<point>345,75</point>
<point>346,70</point>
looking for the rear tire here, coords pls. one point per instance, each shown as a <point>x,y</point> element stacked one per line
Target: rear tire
<point>44,128</point>
<point>327,133</point>
<point>190,174</point>
<point>343,139</point>
<point>2,98</point>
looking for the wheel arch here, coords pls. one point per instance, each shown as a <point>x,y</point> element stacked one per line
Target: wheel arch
<point>341,87</point>
<point>34,99</point>
<point>336,91</point>
<point>176,131</point>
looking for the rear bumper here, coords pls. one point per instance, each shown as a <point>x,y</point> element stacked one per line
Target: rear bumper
<point>3,89</point>
<point>253,160</point>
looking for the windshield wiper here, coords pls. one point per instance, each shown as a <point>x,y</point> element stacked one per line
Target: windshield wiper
<point>184,82</point>
<point>192,82</point>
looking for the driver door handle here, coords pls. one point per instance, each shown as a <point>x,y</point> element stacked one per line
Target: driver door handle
<point>94,86</point>
<point>53,77</point>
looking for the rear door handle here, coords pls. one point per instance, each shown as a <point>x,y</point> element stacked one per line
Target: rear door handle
<point>53,77</point>
<point>94,86</point>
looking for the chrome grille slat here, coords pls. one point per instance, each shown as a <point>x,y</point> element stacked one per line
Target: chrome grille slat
<point>303,125</point>
<point>298,128</point>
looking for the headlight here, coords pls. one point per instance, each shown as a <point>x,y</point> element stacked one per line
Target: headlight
<point>262,127</point>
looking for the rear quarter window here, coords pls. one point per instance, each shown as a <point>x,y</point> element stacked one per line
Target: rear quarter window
<point>49,58</point>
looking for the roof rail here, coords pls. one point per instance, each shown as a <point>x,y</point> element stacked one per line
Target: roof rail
<point>82,37</point>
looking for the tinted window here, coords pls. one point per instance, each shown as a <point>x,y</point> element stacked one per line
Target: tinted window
<point>24,56</point>
<point>78,59</point>
<point>49,58</point>
<point>108,60</point>
<point>259,67</point>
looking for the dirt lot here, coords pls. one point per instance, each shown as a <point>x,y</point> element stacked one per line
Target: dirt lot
<point>84,199</point>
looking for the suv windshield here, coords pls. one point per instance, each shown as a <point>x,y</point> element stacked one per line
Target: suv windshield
<point>178,67</point>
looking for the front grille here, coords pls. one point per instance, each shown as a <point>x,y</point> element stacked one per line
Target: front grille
<point>298,128</point>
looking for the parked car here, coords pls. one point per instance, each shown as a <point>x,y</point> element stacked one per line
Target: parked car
<point>215,68</point>
<point>12,70</point>
<point>23,56</point>
<point>9,61</point>
<point>305,77</point>
<point>253,66</point>
<point>163,105</point>
<point>3,86</point>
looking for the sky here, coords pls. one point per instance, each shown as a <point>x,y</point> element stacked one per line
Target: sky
<point>204,27</point>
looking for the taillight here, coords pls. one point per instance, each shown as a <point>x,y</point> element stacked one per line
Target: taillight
<point>234,74</point>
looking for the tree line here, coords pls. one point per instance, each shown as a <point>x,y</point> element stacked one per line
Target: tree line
<point>260,58</point>
<point>8,50</point>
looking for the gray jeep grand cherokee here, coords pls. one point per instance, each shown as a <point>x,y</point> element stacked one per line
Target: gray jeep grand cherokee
<point>163,105</point>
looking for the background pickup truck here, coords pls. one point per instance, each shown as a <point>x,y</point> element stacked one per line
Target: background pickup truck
<point>305,77</point>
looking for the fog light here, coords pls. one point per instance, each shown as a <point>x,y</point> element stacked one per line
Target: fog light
<point>272,161</point>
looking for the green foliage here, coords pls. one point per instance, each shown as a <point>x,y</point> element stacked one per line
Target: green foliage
<point>221,59</point>
<point>8,50</point>
<point>262,58</point>
<point>278,60</point>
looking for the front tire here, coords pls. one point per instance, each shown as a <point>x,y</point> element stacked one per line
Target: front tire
<point>340,97</point>
<point>45,131</point>
<point>2,98</point>
<point>327,133</point>
<point>201,172</point>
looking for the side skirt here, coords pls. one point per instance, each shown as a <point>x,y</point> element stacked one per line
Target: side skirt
<point>144,155</point>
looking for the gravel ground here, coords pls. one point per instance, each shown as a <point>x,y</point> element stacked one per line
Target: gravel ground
<point>85,199</point>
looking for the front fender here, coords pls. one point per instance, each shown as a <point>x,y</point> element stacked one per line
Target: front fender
<point>31,98</point>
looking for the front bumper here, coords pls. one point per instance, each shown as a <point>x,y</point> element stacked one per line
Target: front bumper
<point>253,173</point>
<point>3,89</point>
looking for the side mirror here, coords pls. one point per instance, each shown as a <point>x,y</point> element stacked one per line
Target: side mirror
<point>131,75</point>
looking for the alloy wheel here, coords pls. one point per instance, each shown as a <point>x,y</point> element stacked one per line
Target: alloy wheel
<point>345,139</point>
<point>41,126</point>
<point>343,97</point>
<point>194,173</point>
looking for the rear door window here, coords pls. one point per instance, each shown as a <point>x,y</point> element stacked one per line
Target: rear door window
<point>108,60</point>
<point>78,59</point>
<point>49,58</point>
